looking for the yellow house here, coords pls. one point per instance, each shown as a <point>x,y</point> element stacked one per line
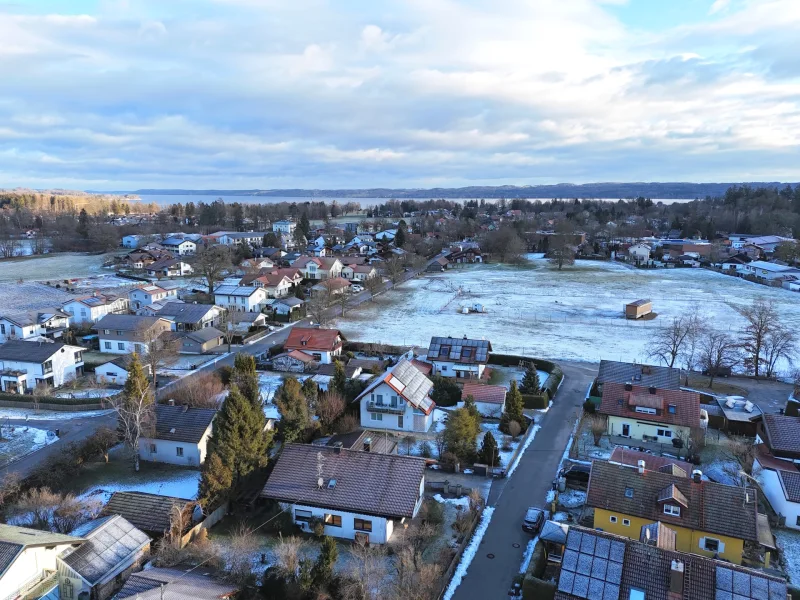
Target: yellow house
<point>649,414</point>
<point>709,519</point>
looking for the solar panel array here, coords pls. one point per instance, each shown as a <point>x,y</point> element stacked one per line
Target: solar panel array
<point>741,585</point>
<point>456,346</point>
<point>592,566</point>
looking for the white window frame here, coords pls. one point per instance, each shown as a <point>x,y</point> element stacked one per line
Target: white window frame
<point>179,451</point>
<point>720,545</point>
<point>667,433</point>
<point>645,410</point>
<point>672,509</point>
<point>376,416</point>
<point>626,522</point>
<point>613,519</point>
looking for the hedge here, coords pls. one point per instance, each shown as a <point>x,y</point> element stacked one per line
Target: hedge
<point>513,360</point>
<point>540,401</point>
<point>28,399</point>
<point>374,348</point>
<point>537,589</point>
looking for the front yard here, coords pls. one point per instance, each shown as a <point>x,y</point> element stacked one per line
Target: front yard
<point>18,440</point>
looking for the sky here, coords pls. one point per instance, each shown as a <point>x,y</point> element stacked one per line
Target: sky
<point>240,94</point>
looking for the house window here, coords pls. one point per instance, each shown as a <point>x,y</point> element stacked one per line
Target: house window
<point>2,329</point>
<point>797,522</point>
<point>394,401</point>
<point>362,525</point>
<point>612,518</point>
<point>646,410</point>
<point>333,520</point>
<point>710,545</point>
<point>121,345</point>
<point>78,357</point>
<point>376,416</point>
<point>179,451</point>
<point>626,522</point>
<point>153,449</point>
<point>303,516</point>
<point>108,345</point>
<point>629,492</point>
<point>444,368</point>
<point>380,400</point>
<point>47,367</point>
<point>664,433</point>
<point>106,331</point>
<point>119,332</point>
<point>672,409</point>
<point>672,509</point>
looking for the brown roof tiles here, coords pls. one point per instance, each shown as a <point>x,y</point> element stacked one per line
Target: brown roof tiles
<point>674,407</point>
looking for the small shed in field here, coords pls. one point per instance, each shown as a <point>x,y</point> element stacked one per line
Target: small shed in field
<point>638,309</point>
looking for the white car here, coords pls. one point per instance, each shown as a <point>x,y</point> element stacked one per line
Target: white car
<point>356,288</point>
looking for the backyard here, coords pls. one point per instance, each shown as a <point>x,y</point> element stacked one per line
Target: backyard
<point>571,314</point>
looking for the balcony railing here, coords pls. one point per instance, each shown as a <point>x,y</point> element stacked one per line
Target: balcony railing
<point>386,408</point>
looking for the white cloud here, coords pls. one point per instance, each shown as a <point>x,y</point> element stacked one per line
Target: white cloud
<point>719,6</point>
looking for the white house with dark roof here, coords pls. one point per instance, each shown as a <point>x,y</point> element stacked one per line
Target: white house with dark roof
<point>179,246</point>
<point>190,317</point>
<point>357,495</point>
<point>145,295</point>
<point>28,558</point>
<point>50,323</point>
<point>181,436</point>
<point>91,309</point>
<point>24,365</point>
<point>240,298</point>
<point>462,358</point>
<point>776,463</point>
<point>398,400</point>
<point>98,568</point>
<point>125,334</point>
<point>115,372</point>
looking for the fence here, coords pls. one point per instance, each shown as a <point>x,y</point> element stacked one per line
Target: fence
<point>451,568</point>
<point>211,519</point>
<point>49,406</point>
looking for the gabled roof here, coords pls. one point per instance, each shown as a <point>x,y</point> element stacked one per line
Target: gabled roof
<point>490,394</point>
<point>790,482</point>
<point>453,349</point>
<point>385,485</point>
<point>289,301</point>
<point>127,322</point>
<point>409,383</point>
<point>675,407</point>
<point>782,433</point>
<point>164,263</point>
<point>236,290</point>
<point>182,423</point>
<point>631,458</point>
<point>109,542</point>
<point>177,584</point>
<point>710,507</point>
<point>13,540</point>
<point>181,312</point>
<point>148,512</point>
<point>149,289</point>
<point>32,352</point>
<point>662,378</point>
<point>311,338</point>
<point>203,335</point>
<point>94,300</point>
<point>356,440</point>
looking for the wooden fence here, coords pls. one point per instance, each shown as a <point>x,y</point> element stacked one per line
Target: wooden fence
<point>211,519</point>
<point>55,407</point>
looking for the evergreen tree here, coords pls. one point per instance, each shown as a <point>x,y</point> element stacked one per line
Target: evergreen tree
<point>245,377</point>
<point>295,416</point>
<point>445,391</point>
<point>469,404</point>
<point>310,391</point>
<point>322,572</point>
<point>83,223</point>
<point>400,237</point>
<point>461,433</point>
<point>514,407</point>
<point>339,381</point>
<point>489,453</point>
<point>304,225</point>
<point>530,381</point>
<point>215,481</point>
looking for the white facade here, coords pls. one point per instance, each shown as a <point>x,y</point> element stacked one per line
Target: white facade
<point>287,227</point>
<point>29,568</point>
<point>629,427</point>
<point>64,365</point>
<point>311,270</point>
<point>448,368</point>
<point>384,408</point>
<point>110,373</point>
<point>243,299</point>
<point>181,248</point>
<point>114,345</point>
<point>639,253</point>
<point>145,296</point>
<point>10,330</point>
<point>82,313</point>
<point>175,453</point>
<point>131,241</point>
<point>771,485</point>
<point>766,270</point>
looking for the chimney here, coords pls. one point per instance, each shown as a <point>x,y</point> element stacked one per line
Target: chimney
<point>185,408</point>
<point>367,444</point>
<point>697,476</point>
<point>628,387</point>
<point>640,465</point>
<point>337,448</point>
<point>652,390</point>
<point>465,336</point>
<point>676,577</point>
<point>171,402</point>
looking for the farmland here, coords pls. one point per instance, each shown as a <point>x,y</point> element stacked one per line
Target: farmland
<point>572,314</point>
<point>52,267</point>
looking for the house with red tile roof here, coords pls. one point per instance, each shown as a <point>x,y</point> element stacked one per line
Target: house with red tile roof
<point>490,400</point>
<point>323,344</point>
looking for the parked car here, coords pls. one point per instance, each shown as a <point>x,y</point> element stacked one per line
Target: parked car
<point>355,288</point>
<point>576,473</point>
<point>533,521</point>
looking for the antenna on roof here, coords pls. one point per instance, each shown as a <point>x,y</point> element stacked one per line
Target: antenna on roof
<point>320,465</point>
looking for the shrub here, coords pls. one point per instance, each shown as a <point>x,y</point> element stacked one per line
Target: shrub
<point>589,407</point>
<point>445,391</point>
<point>538,401</point>
<point>448,459</point>
<point>425,450</point>
<point>225,374</point>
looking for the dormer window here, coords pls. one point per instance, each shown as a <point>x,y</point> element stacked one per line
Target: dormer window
<point>672,509</point>
<point>628,492</point>
<point>672,409</point>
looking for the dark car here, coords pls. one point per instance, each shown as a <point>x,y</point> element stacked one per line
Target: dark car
<point>533,521</point>
<point>576,473</point>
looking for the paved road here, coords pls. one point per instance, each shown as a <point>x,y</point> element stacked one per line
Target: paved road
<point>70,430</point>
<point>490,579</point>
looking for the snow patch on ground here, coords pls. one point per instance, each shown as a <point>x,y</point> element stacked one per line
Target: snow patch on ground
<point>439,419</point>
<point>469,553</point>
<point>527,443</point>
<point>95,393</point>
<point>560,517</point>
<point>551,495</point>
<point>526,558</point>
<point>789,542</point>
<point>180,484</point>
<point>17,441</point>
<point>572,498</point>
<point>22,414</point>
<point>462,502</point>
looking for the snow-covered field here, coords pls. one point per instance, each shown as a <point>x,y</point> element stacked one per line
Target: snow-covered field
<point>172,482</point>
<point>18,297</point>
<point>53,267</point>
<point>90,393</point>
<point>18,440</point>
<point>21,414</point>
<point>572,314</point>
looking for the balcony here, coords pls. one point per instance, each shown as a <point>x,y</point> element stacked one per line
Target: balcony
<point>386,408</point>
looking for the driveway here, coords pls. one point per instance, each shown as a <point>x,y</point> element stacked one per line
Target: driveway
<point>489,578</point>
<point>770,396</point>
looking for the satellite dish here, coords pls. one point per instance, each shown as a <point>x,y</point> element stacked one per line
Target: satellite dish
<point>320,482</point>
<point>647,534</point>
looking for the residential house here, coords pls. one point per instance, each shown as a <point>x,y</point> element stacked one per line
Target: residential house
<point>650,414</point>
<point>290,308</point>
<point>125,334</point>
<point>270,252</point>
<point>438,265</point>
<point>142,257</point>
<point>169,267</point>
<point>155,515</point>
<point>359,272</point>
<point>767,244</point>
<point>243,322</point>
<point>158,583</point>
<point>334,287</point>
<point>639,253</point>
<point>90,309</point>
<point>276,286</point>
<point>740,416</point>
<point>253,239</point>
<point>364,440</point>
<point>28,559</point>
<point>490,400</point>
<point>767,271</point>
<point>462,358</point>
<point>776,465</point>
<point>181,435</point>
<point>357,495</point>
<point>179,246</point>
<point>466,255</point>
<point>610,371</point>
<point>115,372</point>
<point>98,568</point>
<point>24,365</point>
<point>314,267</point>
<point>191,317</point>
<point>255,264</point>
<point>597,565</point>
<point>48,323</point>
<point>625,456</point>
<point>287,227</point>
<point>398,400</point>
<point>146,295</point>
<point>709,519</point>
<point>323,344</point>
<point>294,361</point>
<point>132,241</point>
<point>199,341</point>
<point>240,298</point>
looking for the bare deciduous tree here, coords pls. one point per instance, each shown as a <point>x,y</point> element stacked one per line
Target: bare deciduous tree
<point>668,342</point>
<point>779,343</point>
<point>211,264</point>
<point>41,508</point>
<point>240,550</point>
<point>158,347</point>
<point>373,285</point>
<point>718,352</point>
<point>514,429</point>
<point>134,408</point>
<point>329,408</point>
<point>394,269</point>
<point>690,351</point>
<point>287,555</point>
<point>200,391</point>
<point>367,572</point>
<point>598,427</point>
<point>317,309</point>
<point>762,318</point>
